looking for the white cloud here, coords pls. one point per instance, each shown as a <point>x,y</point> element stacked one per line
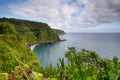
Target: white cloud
<point>69,14</point>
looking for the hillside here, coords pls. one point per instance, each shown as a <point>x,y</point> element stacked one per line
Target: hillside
<point>34,31</point>
<point>59,32</point>
<point>15,58</point>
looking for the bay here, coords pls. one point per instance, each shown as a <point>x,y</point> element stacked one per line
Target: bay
<point>105,44</point>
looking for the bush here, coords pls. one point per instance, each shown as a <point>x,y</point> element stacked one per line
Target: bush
<point>85,65</point>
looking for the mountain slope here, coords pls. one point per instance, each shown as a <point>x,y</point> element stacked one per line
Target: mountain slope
<point>37,31</point>
<point>59,32</point>
<point>15,58</point>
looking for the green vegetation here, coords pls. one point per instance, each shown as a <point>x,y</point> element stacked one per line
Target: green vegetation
<point>85,65</point>
<point>32,31</point>
<point>59,32</point>
<point>13,51</point>
<point>18,62</point>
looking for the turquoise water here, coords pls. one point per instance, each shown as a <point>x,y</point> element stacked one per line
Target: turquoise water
<point>106,45</point>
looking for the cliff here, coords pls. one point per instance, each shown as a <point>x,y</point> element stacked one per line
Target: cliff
<point>14,35</point>
<point>33,31</point>
<point>59,32</point>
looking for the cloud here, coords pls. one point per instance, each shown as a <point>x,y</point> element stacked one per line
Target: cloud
<point>69,13</point>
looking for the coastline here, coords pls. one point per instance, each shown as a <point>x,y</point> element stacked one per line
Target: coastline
<point>33,45</point>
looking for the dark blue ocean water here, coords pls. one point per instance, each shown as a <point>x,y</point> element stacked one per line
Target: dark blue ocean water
<point>105,44</point>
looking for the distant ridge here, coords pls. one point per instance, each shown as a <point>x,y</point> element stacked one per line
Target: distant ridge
<point>58,31</point>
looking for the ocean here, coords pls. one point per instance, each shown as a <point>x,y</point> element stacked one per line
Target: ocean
<point>107,45</point>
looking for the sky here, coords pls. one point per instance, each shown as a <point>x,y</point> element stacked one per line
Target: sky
<point>68,15</point>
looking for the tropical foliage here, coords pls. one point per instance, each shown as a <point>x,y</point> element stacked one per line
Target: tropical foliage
<point>85,65</point>
<point>14,52</point>
<point>33,31</point>
<point>18,62</point>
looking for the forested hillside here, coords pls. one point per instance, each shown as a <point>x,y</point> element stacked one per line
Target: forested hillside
<point>33,31</point>
<point>18,62</point>
<point>13,53</point>
<point>59,32</point>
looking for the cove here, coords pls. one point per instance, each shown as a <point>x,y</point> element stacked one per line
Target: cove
<point>105,44</point>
